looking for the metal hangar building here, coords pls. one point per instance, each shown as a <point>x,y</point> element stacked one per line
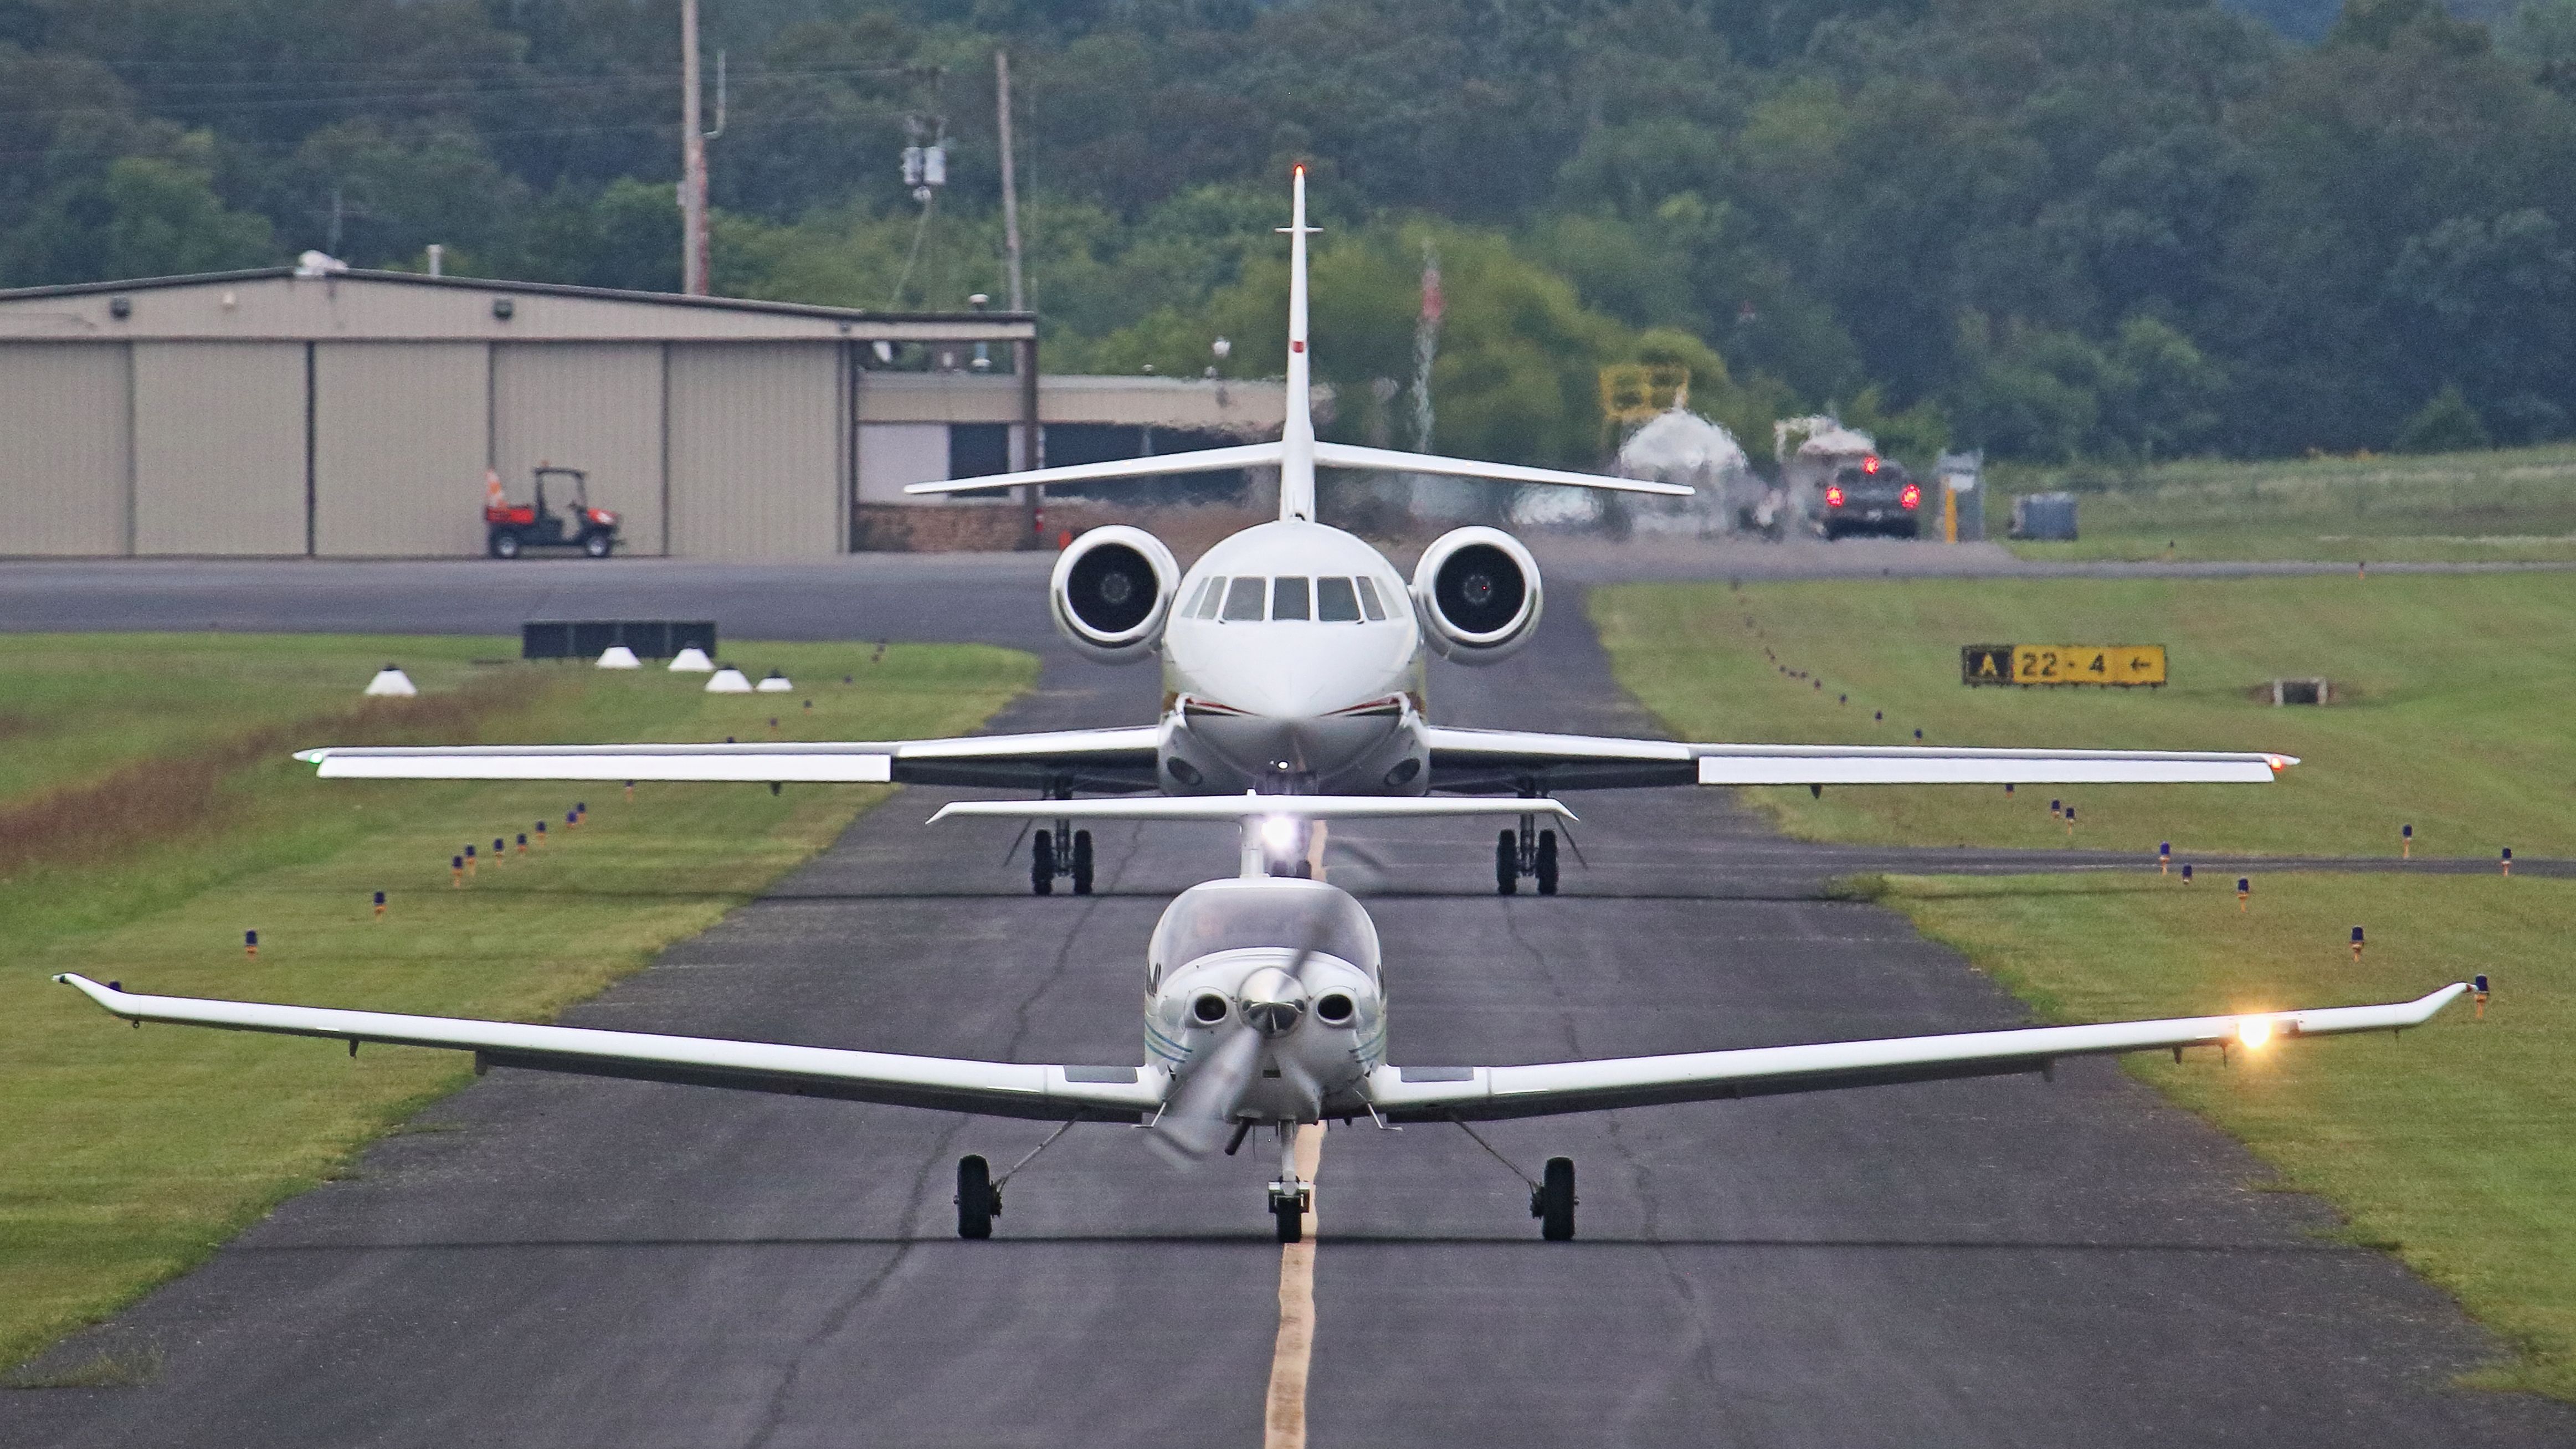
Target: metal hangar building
<point>353,414</point>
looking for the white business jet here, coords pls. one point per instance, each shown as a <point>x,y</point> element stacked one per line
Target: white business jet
<point>1293,663</point>
<point>1265,1007</point>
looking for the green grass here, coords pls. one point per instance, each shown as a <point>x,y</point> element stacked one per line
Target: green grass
<point>2507,506</point>
<point>126,1156</point>
<point>2448,1146</point>
<point>2452,716</point>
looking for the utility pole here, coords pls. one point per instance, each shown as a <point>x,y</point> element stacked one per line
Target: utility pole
<point>1010,185</point>
<point>693,161</point>
<point>1024,355</point>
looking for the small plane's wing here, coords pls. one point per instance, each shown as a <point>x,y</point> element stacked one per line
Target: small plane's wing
<point>1387,460</point>
<point>1487,760</point>
<point>992,1089</point>
<point>1417,1094</point>
<point>1105,760</point>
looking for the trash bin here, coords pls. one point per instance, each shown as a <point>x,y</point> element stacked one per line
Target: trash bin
<point>2044,517</point>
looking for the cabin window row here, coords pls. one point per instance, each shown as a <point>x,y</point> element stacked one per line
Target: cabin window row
<point>1250,600</point>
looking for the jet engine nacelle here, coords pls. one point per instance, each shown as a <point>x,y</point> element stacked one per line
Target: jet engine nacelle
<point>1112,591</point>
<point>1477,593</point>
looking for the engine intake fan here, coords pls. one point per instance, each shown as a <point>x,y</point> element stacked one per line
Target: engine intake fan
<point>1477,591</point>
<point>1112,592</point>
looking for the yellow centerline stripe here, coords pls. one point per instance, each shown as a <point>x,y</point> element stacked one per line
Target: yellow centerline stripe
<point>1284,1424</point>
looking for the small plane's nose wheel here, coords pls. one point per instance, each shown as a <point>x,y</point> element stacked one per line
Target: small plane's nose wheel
<point>1545,866</point>
<point>1552,1201</point>
<point>1507,864</point>
<point>1082,862</point>
<point>1288,1204</point>
<point>978,1201</point>
<point>1042,864</point>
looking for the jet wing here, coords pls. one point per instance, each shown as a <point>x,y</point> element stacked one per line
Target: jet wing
<point>1489,760</point>
<point>1417,1094</point>
<point>991,1089</point>
<point>1099,760</point>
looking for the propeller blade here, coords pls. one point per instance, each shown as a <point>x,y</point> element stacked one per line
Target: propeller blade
<point>1202,1112</point>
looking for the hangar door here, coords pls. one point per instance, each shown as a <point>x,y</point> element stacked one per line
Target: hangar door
<point>400,432</point>
<point>588,405</point>
<point>63,473</point>
<point>757,448</point>
<point>219,447</point>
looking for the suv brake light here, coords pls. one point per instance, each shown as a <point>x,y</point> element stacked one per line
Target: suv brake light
<point>1834,495</point>
<point>1911,496</point>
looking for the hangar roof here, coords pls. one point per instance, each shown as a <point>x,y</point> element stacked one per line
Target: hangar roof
<point>281,304</point>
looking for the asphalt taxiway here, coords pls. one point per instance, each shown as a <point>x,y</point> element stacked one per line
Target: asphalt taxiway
<point>2003,1262</point>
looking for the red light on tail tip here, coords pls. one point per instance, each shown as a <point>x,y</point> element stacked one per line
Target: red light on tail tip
<point>1912,496</point>
<point>1869,464</point>
<point>1834,496</point>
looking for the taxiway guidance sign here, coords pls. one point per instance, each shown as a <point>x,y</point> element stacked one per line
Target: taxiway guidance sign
<point>2117,665</point>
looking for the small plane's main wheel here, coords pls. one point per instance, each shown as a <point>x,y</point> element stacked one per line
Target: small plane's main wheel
<point>1507,864</point>
<point>1082,862</point>
<point>1552,1201</point>
<point>1042,863</point>
<point>1546,871</point>
<point>1290,1213</point>
<point>978,1203</point>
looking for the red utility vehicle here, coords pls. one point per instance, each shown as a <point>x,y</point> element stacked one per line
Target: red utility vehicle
<point>513,527</point>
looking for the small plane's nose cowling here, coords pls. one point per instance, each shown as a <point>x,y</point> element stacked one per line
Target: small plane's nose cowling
<point>1273,1002</point>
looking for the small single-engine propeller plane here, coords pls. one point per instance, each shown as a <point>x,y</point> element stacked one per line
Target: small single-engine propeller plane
<point>1293,663</point>
<point>1265,1007</point>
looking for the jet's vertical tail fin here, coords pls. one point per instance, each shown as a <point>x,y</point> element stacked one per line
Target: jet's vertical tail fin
<point>1297,439</point>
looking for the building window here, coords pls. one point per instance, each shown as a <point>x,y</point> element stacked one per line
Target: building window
<point>978,450</point>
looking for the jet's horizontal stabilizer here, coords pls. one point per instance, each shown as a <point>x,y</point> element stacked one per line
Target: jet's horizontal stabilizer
<point>1387,460</point>
<point>1327,455</point>
<point>1235,808</point>
<point>1206,460</point>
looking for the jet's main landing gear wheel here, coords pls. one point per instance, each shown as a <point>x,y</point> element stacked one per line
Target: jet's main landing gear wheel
<point>1042,863</point>
<point>1507,864</point>
<point>978,1201</point>
<point>1552,1201</point>
<point>1546,869</point>
<point>1082,862</point>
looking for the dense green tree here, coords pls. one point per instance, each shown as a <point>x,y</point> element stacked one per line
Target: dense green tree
<point>2052,228</point>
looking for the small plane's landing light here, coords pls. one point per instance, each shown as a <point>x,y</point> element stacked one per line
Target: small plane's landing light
<point>2254,1031</point>
<point>1279,832</point>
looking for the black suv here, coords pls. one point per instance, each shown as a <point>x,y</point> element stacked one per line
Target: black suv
<point>1874,495</point>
